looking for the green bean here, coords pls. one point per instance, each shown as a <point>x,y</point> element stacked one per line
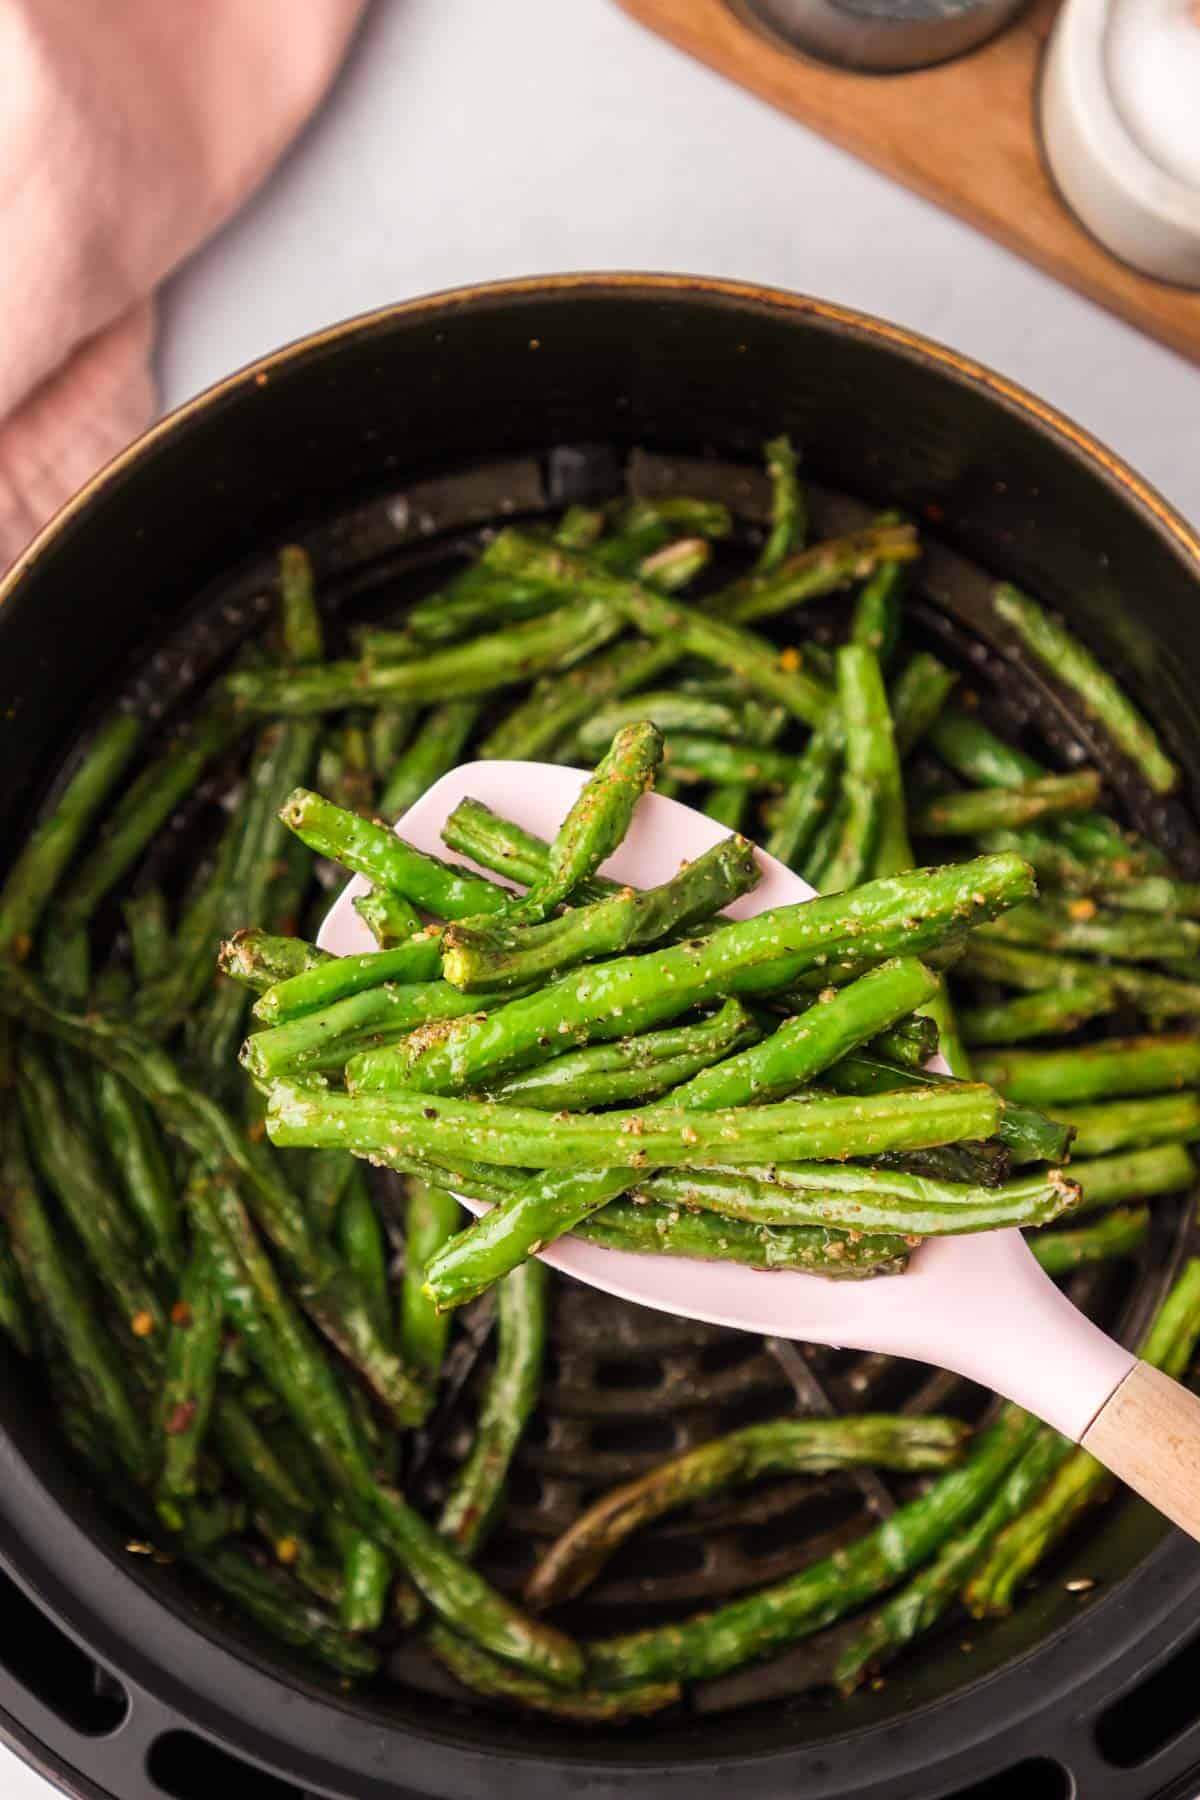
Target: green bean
<point>1030,1135</point>
<point>189,1383</point>
<point>146,805</point>
<point>486,1675</point>
<point>63,1305</point>
<point>282,1611</point>
<point>919,693</point>
<point>779,1447</point>
<point>252,1460</point>
<point>598,820</point>
<point>430,1219</point>
<point>162,1004</point>
<point>66,1159</point>
<point>375,851</point>
<point>261,961</point>
<point>14,1301</point>
<point>389,918</point>
<point>1080,925</point>
<point>978,810</point>
<point>554,707</point>
<point>520,1137</point>
<point>476,1496</point>
<point>475,667</point>
<point>322,983</point>
<point>300,623</point>
<point>634,1069</point>
<point>1132,1175</point>
<point>873,830</point>
<point>1118,1234</point>
<point>765,954</point>
<point>327,1173</point>
<point>821,569</point>
<point>766,1196</point>
<point>730,646</point>
<point>918,1605</point>
<point>1036,1015</point>
<point>374,1015</point>
<point>283,753</point>
<point>789,513</point>
<point>966,745</point>
<point>911,1042</point>
<point>149,933</point>
<point>482,960</point>
<point>436,748</point>
<point>641,1228</point>
<point>294,1365</point>
<point>476,598</point>
<point>807,799</point>
<point>363,1247</point>
<point>1077,669</point>
<point>876,621</point>
<point>36,872</point>
<point>757,1624</point>
<point>669,710</point>
<point>343,768</point>
<point>693,758</point>
<point>474,830</point>
<point>839,1022</point>
<point>389,733</point>
<point>332,1297</point>
<point>1125,1124</point>
<point>1141,1065</point>
<point>137,1154</point>
<point>366,1579</point>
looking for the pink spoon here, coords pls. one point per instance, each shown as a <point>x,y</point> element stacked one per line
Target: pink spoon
<point>979,1305</point>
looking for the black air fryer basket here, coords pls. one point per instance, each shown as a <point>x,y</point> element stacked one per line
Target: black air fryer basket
<point>384,444</point>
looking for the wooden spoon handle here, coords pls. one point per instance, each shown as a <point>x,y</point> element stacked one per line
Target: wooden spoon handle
<point>1148,1433</point>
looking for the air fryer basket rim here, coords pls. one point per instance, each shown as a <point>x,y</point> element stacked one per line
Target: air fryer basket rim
<point>705,289</point>
<point>188,1669</point>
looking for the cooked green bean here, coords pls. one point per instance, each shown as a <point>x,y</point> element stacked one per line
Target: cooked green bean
<point>1132,1175</point>
<point>634,1069</point>
<point>430,1220</point>
<point>189,1383</point>
<point>1117,1066</point>
<point>598,821</point>
<point>436,748</point>
<point>779,1447</point>
<point>375,851</point>
<point>475,1498</point>
<point>511,956</point>
<point>919,693</point>
<point>35,874</point>
<point>1070,663</point>
<point>709,1643</point>
<point>475,667</point>
<point>638,1227</point>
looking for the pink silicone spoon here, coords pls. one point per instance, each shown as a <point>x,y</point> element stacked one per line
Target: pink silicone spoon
<point>979,1305</point>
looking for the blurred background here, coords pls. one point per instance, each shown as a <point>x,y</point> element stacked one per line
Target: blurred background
<point>464,142</point>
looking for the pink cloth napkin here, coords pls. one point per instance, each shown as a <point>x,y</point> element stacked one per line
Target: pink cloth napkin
<point>129,130</point>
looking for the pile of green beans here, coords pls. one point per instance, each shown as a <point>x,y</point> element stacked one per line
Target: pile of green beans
<point>240,1325</point>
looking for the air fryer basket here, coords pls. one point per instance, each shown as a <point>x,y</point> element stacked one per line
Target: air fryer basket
<point>382,443</point>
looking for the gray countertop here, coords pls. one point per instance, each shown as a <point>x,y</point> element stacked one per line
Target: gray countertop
<point>466,141</point>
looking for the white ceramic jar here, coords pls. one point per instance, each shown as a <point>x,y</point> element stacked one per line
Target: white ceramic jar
<point>1120,114</point>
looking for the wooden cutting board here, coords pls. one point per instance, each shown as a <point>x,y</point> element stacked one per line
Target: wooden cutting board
<point>963,134</point>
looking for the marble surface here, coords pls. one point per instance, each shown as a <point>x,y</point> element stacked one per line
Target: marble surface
<point>465,142</point>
